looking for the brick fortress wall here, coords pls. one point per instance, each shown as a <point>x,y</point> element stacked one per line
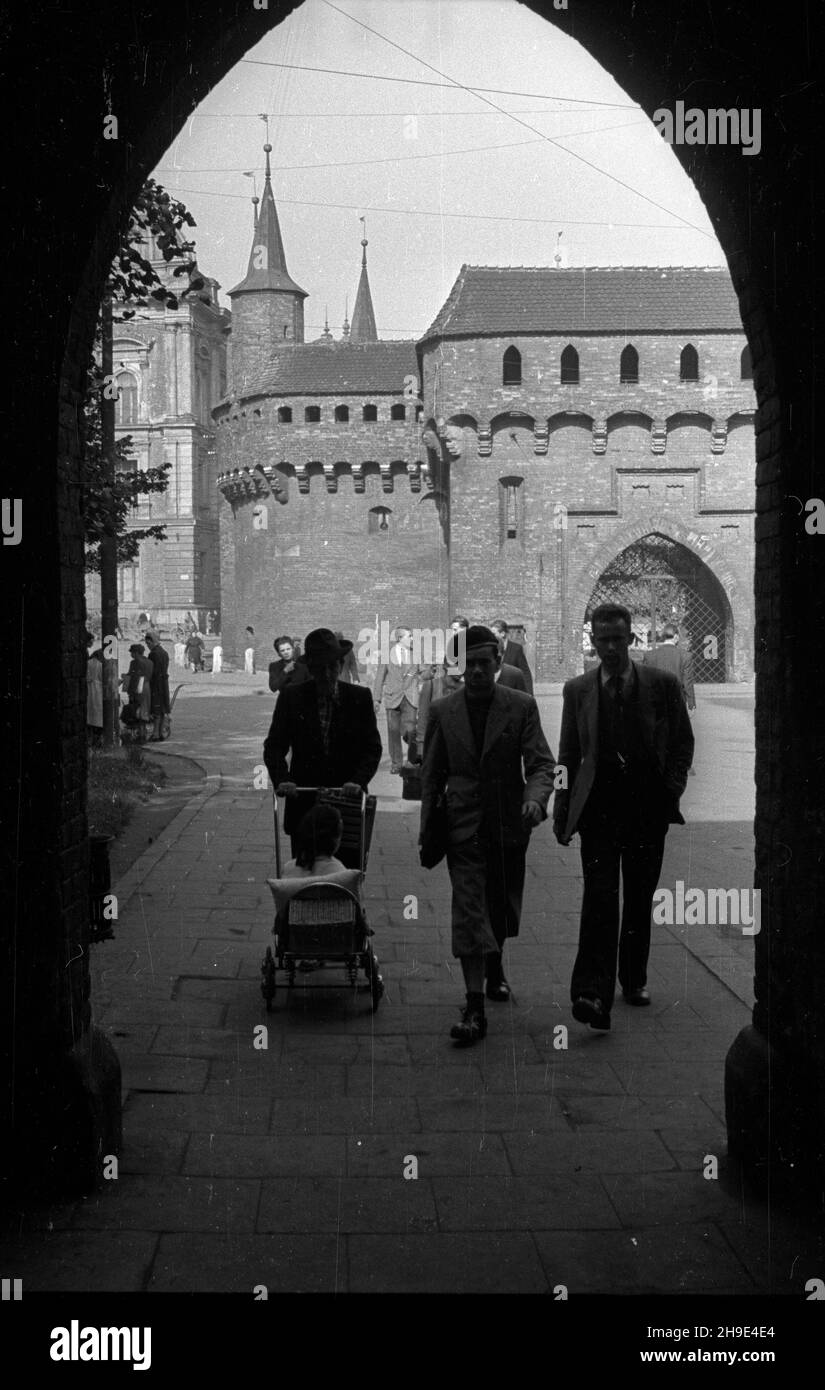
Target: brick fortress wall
<point>320,560</point>
<point>596,466</point>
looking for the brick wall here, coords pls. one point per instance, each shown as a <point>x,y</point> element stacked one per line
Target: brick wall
<point>544,577</point>
<point>258,323</point>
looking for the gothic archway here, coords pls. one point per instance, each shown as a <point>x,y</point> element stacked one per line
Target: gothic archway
<point>661,581</point>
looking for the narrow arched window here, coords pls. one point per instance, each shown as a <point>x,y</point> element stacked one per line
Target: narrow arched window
<point>342,414</point>
<point>629,365</point>
<point>689,364</point>
<point>370,413</point>
<point>312,414</point>
<point>569,367</point>
<point>398,412</point>
<point>511,367</point>
<point>284,414</point>
<point>746,364</point>
<point>126,405</point>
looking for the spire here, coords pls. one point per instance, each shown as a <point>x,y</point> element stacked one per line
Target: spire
<point>363,317</point>
<point>345,326</point>
<point>326,336</point>
<point>267,262</point>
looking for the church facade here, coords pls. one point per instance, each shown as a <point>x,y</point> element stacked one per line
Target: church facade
<point>558,437</point>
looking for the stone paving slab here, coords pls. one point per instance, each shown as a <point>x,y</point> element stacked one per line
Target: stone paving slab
<point>170,1203</point>
<point>350,1204</point>
<point>692,1259</point>
<point>546,1203</point>
<point>239,1263</point>
<point>494,1263</point>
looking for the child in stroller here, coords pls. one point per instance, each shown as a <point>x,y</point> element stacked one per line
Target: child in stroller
<point>318,839</point>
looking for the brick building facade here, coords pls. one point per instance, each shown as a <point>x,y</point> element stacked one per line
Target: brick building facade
<point>557,437</point>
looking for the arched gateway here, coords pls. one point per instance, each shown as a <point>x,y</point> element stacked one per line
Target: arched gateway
<point>661,581</point>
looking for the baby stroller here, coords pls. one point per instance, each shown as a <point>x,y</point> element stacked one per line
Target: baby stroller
<point>324,920</point>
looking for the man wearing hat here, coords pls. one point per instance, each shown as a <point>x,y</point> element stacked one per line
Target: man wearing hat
<point>138,685</point>
<point>326,726</point>
<point>487,760</point>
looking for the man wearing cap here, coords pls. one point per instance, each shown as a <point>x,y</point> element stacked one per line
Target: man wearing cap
<point>326,726</point>
<point>485,752</point>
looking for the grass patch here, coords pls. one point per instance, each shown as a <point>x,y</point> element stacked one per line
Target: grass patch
<point>119,780</point>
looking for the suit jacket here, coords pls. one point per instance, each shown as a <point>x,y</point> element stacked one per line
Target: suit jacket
<point>665,729</point>
<point>354,743</point>
<point>512,677</point>
<point>514,656</point>
<point>669,657</point>
<point>280,677</point>
<point>486,793</point>
<point>395,682</point>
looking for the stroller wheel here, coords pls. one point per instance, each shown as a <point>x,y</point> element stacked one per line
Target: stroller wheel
<point>376,983</point>
<point>268,979</point>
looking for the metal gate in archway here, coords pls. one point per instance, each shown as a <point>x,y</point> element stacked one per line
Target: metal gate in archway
<point>661,581</point>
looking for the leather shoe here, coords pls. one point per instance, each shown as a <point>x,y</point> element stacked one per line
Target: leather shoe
<point>473,1025</point>
<point>637,996</point>
<point>591,1011</point>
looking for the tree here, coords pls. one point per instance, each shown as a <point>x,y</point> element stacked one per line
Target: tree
<point>156,220</point>
<point>113,487</point>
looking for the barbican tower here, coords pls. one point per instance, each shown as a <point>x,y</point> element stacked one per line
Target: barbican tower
<point>330,514</point>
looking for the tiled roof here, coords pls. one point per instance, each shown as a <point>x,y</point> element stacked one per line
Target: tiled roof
<point>497,300</point>
<point>318,369</point>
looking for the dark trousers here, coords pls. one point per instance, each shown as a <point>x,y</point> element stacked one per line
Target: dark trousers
<point>488,887</point>
<point>622,832</point>
<point>401,721</point>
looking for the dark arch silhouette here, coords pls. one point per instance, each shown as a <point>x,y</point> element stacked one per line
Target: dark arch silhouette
<point>761,210</point>
<point>629,365</point>
<point>569,366</point>
<point>511,367</point>
<point>689,364</point>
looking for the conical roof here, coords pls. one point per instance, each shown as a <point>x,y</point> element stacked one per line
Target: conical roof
<point>267,261</point>
<point>363,329</point>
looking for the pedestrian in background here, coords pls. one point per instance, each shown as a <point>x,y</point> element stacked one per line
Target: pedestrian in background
<point>194,651</point>
<point>161,706</point>
<point>512,653</point>
<point>94,693</point>
<point>288,669</point>
<point>396,685</point>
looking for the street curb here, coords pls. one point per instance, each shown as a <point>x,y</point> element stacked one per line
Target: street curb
<point>132,881</point>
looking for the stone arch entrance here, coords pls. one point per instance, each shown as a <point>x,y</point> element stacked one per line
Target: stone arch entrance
<point>159,62</point>
<point>661,581</point>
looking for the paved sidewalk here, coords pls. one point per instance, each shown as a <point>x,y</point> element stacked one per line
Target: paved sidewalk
<point>544,1156</point>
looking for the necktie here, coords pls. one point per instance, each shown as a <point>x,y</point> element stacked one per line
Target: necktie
<point>615,686</point>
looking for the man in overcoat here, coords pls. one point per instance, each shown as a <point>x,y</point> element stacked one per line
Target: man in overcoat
<point>488,764</point>
<point>626,746</point>
<point>327,729</point>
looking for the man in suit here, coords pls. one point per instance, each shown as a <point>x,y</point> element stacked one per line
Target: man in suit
<point>326,726</point>
<point>396,684</point>
<point>669,656</point>
<point>477,741</point>
<point>161,705</point>
<point>626,745</point>
<point>512,653</point>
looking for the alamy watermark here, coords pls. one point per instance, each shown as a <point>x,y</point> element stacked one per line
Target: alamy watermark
<point>698,907</point>
<point>426,646</point>
<point>715,127</point>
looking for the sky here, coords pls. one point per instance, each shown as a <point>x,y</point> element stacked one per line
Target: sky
<point>552,158</point>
